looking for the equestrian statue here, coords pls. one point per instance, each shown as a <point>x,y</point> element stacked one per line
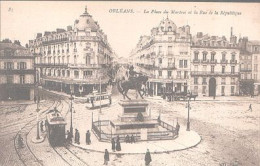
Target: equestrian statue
<point>135,81</point>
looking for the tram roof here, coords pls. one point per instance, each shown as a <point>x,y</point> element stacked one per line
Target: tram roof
<point>54,117</point>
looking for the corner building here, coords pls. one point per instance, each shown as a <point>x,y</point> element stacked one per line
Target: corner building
<point>165,57</point>
<point>75,60</point>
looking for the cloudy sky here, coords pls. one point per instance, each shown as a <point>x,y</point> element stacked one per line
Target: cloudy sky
<point>22,20</point>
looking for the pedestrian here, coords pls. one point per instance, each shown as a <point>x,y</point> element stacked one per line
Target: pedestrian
<point>113,144</point>
<point>177,128</point>
<point>20,141</point>
<point>127,139</point>
<point>106,157</point>
<point>34,99</point>
<point>118,146</point>
<point>250,108</point>
<point>77,136</point>
<point>88,141</point>
<point>132,139</point>
<point>41,126</point>
<point>147,158</point>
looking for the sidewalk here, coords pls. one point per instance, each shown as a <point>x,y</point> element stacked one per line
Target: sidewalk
<point>185,140</point>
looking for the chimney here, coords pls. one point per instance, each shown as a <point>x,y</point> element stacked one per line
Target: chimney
<point>46,33</point>
<point>231,34</point>
<point>39,35</point>
<point>69,28</point>
<point>59,30</point>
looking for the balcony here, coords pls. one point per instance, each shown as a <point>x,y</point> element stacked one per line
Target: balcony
<point>208,73</point>
<point>196,61</point>
<point>204,61</point>
<point>233,61</point>
<point>213,61</point>
<point>55,41</point>
<point>17,71</point>
<point>223,61</point>
<point>51,65</point>
<point>245,70</point>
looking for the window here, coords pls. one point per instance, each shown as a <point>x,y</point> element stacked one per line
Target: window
<point>75,59</point>
<point>223,80</point>
<point>87,60</point>
<point>196,80</point>
<point>160,60</point>
<point>223,69</point>
<point>22,65</point>
<point>223,57</point>
<point>87,73</point>
<point>68,73</point>
<point>204,56</point>
<point>76,74</point>
<point>63,60</point>
<point>196,56</point>
<point>242,76</point>
<point>169,73</point>
<point>181,63</point>
<point>249,67</point>
<point>212,56</point>
<point>169,28</point>
<point>212,69</point>
<point>170,38</point>
<point>255,57</point>
<point>204,89</point>
<point>233,57</point>
<point>178,74</point>
<point>255,67</point>
<point>160,49</point>
<point>68,59</point>
<point>9,65</point>
<point>160,73</point>
<point>185,64</point>
<point>223,90</point>
<point>185,74</point>
<point>169,50</point>
<point>232,80</point>
<point>232,90</point>
<point>242,66</point>
<point>255,76</point>
<point>232,69</point>
<point>204,81</point>
<point>9,79</point>
<point>63,73</point>
<point>22,79</point>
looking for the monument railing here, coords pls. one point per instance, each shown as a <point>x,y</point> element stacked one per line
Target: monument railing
<point>154,135</point>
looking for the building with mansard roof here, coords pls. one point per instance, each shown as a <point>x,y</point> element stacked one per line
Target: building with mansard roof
<point>165,57</point>
<point>16,72</point>
<point>214,65</point>
<point>73,60</point>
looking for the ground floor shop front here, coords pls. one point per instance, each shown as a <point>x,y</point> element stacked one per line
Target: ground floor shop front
<point>16,92</point>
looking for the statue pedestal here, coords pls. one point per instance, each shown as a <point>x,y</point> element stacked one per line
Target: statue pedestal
<point>134,118</point>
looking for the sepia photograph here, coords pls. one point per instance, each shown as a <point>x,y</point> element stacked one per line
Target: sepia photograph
<point>120,83</point>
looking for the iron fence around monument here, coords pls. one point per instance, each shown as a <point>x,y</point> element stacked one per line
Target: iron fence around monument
<point>170,132</point>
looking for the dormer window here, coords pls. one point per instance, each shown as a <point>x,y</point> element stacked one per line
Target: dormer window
<point>169,28</point>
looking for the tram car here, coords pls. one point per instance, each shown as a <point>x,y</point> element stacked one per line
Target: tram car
<point>97,100</point>
<point>55,125</point>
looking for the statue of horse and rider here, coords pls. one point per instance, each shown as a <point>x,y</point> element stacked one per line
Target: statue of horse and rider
<point>135,81</point>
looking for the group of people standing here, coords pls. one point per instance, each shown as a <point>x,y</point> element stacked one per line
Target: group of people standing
<point>116,146</point>
<point>77,137</point>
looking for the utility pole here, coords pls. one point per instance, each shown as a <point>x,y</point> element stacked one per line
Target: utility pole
<point>188,122</point>
<point>71,127</point>
<point>100,95</point>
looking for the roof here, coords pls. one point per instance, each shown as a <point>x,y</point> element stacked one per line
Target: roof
<point>11,46</point>
<point>254,42</point>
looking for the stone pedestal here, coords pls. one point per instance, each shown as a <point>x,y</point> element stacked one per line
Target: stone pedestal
<point>134,118</point>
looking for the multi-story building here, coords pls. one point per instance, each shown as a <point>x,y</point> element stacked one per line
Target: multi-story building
<point>214,65</point>
<point>165,57</point>
<point>74,60</point>
<point>254,48</point>
<point>16,72</point>
<point>246,82</point>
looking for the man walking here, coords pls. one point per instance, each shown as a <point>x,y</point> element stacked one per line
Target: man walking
<point>250,108</point>
<point>113,144</point>
<point>106,157</point>
<point>88,141</point>
<point>77,136</point>
<point>177,128</point>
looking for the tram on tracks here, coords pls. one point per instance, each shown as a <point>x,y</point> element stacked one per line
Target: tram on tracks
<point>55,125</point>
<point>97,100</point>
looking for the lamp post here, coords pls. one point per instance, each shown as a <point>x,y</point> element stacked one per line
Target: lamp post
<point>188,121</point>
<point>100,95</point>
<point>37,109</point>
<point>71,127</point>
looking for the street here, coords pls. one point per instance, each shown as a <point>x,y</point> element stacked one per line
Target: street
<point>222,141</point>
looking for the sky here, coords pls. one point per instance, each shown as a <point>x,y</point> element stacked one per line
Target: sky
<point>23,20</point>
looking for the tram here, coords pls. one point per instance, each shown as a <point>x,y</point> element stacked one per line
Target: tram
<point>97,100</point>
<point>55,127</point>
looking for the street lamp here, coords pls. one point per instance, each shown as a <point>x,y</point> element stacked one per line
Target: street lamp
<point>71,127</point>
<point>100,95</point>
<point>37,109</point>
<point>188,122</point>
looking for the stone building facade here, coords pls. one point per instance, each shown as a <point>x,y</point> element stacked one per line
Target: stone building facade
<point>75,60</point>
<point>165,57</point>
<point>16,72</point>
<point>214,66</point>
